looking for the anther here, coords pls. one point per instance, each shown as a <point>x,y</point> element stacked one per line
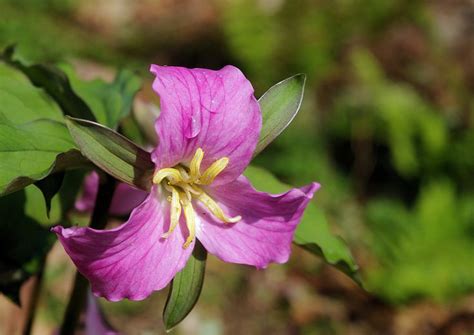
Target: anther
<point>183,184</point>
<point>171,174</point>
<point>190,216</point>
<point>212,171</point>
<point>195,166</point>
<point>216,210</point>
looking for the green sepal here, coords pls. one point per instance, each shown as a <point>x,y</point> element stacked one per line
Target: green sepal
<point>279,106</point>
<point>185,288</point>
<point>112,152</point>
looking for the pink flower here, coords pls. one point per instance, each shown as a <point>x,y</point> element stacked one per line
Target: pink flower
<point>95,323</point>
<point>208,129</point>
<point>124,200</point>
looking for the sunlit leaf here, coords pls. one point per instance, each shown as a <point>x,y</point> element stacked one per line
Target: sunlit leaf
<point>313,232</point>
<point>109,102</point>
<point>33,140</point>
<point>54,82</point>
<point>31,151</point>
<point>279,106</point>
<point>94,100</point>
<point>185,288</point>
<point>112,152</point>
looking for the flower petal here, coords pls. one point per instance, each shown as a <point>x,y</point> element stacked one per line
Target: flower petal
<point>133,260</point>
<point>265,232</point>
<point>95,322</point>
<point>124,200</point>
<point>212,110</point>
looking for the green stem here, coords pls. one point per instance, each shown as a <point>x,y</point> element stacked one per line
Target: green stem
<point>77,300</point>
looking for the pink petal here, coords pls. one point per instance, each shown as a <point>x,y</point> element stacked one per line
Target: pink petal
<point>213,110</point>
<point>130,261</point>
<point>95,321</point>
<point>264,234</point>
<point>125,198</point>
<point>85,203</point>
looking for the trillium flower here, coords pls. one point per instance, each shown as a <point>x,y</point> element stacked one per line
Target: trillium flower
<point>208,130</point>
<point>94,319</point>
<point>95,323</point>
<point>124,200</point>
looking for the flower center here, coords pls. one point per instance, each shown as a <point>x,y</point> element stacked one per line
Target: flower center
<point>185,184</point>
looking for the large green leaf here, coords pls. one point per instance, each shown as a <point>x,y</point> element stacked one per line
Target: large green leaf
<point>279,106</point>
<point>313,232</point>
<point>24,235</point>
<point>20,101</point>
<point>23,244</point>
<point>33,140</point>
<point>94,100</point>
<point>112,152</point>
<point>31,151</point>
<point>185,288</point>
<point>109,102</point>
<point>54,82</point>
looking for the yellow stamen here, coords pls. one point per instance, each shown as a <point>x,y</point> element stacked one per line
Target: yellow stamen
<point>190,216</point>
<point>175,211</point>
<point>215,209</point>
<point>195,166</point>
<point>184,174</point>
<point>190,189</point>
<point>183,185</point>
<point>171,174</point>
<point>212,171</point>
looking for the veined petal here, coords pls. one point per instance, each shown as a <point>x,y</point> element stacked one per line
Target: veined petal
<point>132,260</point>
<point>212,110</point>
<point>124,200</point>
<point>265,232</point>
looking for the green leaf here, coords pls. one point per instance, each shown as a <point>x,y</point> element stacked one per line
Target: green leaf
<point>21,102</point>
<point>279,106</point>
<point>110,102</point>
<point>185,288</point>
<point>25,238</point>
<point>54,82</point>
<point>112,152</point>
<point>313,232</point>
<point>314,235</point>
<point>31,151</point>
<point>23,244</point>
<point>33,140</point>
<point>49,186</point>
<point>94,100</point>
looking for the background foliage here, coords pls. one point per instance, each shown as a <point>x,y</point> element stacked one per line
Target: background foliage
<point>386,126</point>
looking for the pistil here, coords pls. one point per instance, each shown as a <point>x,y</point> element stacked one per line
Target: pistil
<point>184,185</point>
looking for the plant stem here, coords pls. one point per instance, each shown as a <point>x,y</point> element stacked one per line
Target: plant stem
<point>34,298</point>
<point>77,300</point>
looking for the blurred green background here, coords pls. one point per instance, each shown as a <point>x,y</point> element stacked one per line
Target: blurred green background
<point>387,128</point>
